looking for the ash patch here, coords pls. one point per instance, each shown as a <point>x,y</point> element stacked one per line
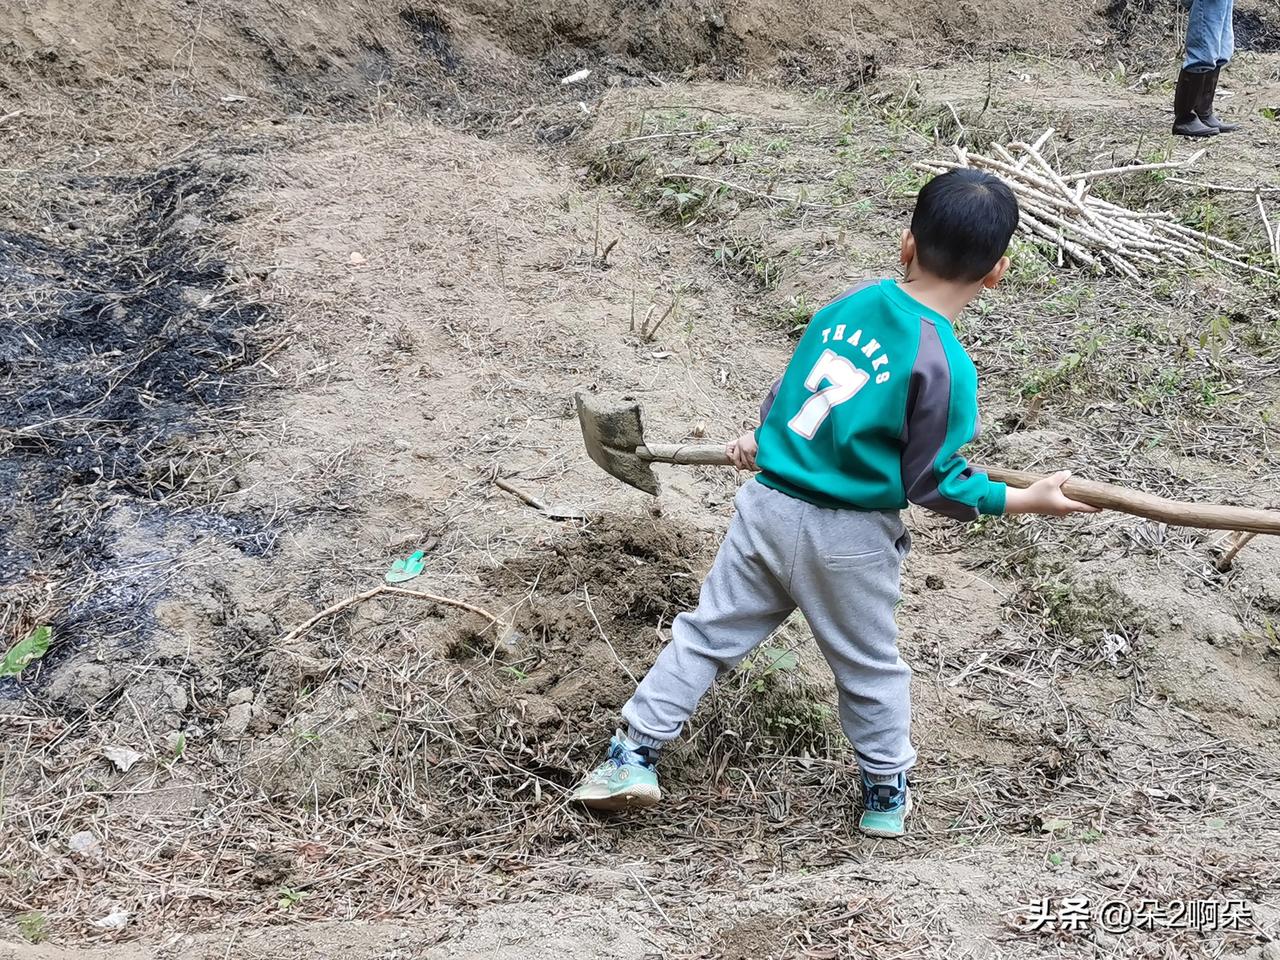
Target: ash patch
<point>1255,34</point>
<point>125,336</point>
<point>431,37</point>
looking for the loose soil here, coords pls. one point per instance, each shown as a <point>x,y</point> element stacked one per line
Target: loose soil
<point>285,290</point>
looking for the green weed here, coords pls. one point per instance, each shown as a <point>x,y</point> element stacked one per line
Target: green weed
<point>290,898</point>
<point>34,926</point>
<point>746,259</point>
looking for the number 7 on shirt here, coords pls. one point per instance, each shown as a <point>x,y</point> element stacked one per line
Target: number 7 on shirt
<point>845,380</point>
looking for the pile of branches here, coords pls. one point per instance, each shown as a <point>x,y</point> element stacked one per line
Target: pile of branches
<point>1085,229</point>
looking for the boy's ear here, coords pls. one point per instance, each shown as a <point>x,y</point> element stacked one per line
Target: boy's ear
<point>908,251</point>
<point>995,274</point>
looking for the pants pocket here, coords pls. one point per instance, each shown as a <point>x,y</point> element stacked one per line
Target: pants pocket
<point>854,561</point>
<point>903,543</point>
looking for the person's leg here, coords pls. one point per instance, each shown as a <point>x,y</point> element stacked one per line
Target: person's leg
<point>848,595</point>
<point>1226,34</point>
<point>742,601</point>
<point>1204,31</point>
<point>1225,48</point>
<point>1204,34</point>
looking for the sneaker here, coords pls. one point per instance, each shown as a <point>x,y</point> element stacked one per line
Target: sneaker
<point>628,778</point>
<point>885,807</point>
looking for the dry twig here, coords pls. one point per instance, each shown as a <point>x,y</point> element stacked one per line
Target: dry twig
<point>1093,232</point>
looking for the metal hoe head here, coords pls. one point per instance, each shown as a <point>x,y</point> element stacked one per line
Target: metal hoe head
<point>612,432</point>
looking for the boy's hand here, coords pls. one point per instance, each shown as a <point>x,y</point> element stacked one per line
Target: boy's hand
<point>742,452</point>
<point>1045,496</point>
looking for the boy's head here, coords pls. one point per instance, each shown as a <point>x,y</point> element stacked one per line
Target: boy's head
<point>961,228</point>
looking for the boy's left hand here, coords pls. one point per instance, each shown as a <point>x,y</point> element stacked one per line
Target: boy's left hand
<point>742,452</point>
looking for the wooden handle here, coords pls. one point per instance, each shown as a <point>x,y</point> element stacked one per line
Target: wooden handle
<point>1214,516</point>
<point>516,491</point>
<point>702,454</point>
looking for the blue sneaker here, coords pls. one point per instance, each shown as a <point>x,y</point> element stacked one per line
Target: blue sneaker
<point>628,778</point>
<point>885,807</point>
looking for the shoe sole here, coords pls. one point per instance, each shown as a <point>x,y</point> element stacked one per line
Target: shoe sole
<point>631,800</point>
<point>886,835</point>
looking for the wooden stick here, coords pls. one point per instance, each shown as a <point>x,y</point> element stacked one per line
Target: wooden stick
<point>1238,541</point>
<point>1273,236</point>
<point>1221,187</point>
<point>1135,168</point>
<point>515,491</point>
<point>1110,497</point>
<point>369,595</point>
<point>1032,225</point>
<point>1061,184</point>
<point>1040,142</point>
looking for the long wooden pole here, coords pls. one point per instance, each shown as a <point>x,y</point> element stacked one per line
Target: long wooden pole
<point>1212,516</point>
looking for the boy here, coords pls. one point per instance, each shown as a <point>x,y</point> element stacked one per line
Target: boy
<point>870,413</point>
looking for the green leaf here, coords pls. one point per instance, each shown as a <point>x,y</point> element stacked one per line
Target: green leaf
<point>772,660</point>
<point>1056,859</point>
<point>25,652</point>
<point>1216,823</point>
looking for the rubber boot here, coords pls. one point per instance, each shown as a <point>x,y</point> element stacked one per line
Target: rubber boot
<point>1186,123</point>
<point>1204,105</point>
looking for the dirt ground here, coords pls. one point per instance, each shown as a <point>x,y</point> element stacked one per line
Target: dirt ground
<point>285,289</point>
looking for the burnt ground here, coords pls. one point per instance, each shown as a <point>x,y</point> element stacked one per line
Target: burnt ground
<point>126,335</point>
<point>237,384</point>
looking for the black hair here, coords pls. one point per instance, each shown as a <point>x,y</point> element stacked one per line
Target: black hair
<point>962,224</point>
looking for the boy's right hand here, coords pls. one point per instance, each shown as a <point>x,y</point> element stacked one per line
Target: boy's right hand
<point>1045,496</point>
<point>742,452</point>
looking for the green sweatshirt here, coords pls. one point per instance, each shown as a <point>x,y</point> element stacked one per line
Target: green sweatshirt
<point>873,409</point>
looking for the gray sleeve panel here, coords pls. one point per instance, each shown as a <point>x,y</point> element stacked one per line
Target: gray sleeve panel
<point>856,288</point>
<point>924,430</point>
<point>767,403</point>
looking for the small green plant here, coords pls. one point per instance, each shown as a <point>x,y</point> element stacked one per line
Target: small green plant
<point>765,663</point>
<point>26,651</point>
<point>1064,371</point>
<point>801,722</point>
<point>1205,215</point>
<point>290,898</point>
<point>683,199</point>
<point>905,182</point>
<point>34,926</point>
<point>797,312</point>
<point>1031,261</point>
<point>746,259</point>
<point>1217,334</point>
<point>1056,859</point>
<point>1270,113</point>
<point>778,146</point>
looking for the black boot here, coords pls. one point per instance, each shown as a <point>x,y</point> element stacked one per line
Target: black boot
<point>1204,105</point>
<point>1186,97</point>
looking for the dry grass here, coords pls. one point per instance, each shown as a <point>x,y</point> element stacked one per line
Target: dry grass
<point>402,764</point>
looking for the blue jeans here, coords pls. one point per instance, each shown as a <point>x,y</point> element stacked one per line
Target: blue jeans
<point>1210,37</point>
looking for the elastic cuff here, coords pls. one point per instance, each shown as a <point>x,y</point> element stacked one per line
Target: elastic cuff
<point>992,503</point>
<point>640,740</point>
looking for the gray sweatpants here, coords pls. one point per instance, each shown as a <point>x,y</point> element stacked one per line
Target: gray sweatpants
<point>841,568</point>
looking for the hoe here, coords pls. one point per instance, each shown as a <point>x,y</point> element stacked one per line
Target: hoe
<point>614,435</point>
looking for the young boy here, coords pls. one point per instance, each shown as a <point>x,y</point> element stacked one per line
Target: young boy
<point>871,413</point>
